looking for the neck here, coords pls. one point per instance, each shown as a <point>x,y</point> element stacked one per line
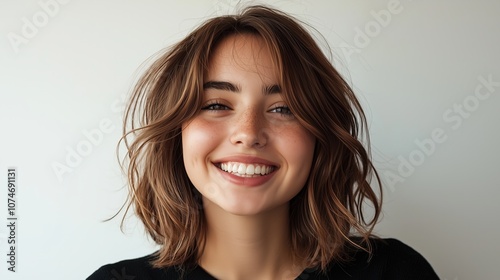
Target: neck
<point>248,247</point>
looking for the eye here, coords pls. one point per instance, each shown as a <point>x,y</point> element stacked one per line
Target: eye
<point>215,106</point>
<point>282,110</point>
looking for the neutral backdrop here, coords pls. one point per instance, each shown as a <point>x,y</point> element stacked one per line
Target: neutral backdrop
<point>427,73</point>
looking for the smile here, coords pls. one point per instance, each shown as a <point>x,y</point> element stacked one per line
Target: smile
<point>245,169</point>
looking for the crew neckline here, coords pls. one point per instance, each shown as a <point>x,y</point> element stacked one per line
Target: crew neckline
<point>200,273</point>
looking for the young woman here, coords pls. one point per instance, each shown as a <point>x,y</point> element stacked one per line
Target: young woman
<point>247,162</point>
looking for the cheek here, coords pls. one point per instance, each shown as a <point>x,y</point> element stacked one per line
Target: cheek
<point>303,143</point>
<point>298,149</point>
<point>198,139</point>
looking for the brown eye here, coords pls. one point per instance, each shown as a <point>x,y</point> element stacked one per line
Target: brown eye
<point>282,110</point>
<point>215,107</point>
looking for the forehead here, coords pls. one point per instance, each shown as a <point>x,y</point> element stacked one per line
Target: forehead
<point>245,52</point>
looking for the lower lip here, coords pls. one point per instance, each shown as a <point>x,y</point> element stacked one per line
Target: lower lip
<point>246,181</point>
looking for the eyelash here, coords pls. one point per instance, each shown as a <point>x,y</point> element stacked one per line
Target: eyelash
<point>283,110</point>
<point>217,106</point>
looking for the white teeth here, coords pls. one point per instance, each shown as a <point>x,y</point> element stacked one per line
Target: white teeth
<point>257,169</point>
<point>250,169</point>
<point>242,169</point>
<point>246,169</point>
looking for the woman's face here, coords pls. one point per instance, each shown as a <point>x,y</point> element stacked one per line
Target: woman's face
<point>245,152</point>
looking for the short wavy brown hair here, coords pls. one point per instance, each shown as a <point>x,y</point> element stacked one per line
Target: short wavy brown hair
<point>325,214</point>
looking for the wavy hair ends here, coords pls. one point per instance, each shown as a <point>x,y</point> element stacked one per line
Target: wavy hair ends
<point>327,211</point>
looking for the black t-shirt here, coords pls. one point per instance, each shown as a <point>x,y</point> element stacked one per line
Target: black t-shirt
<point>391,260</point>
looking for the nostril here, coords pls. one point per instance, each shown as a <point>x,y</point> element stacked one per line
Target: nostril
<point>249,141</point>
<point>249,131</point>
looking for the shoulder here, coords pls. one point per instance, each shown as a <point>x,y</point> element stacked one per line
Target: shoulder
<point>390,259</point>
<point>139,268</point>
<point>400,260</point>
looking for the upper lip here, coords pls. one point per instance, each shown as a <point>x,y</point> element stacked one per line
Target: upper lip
<point>248,159</point>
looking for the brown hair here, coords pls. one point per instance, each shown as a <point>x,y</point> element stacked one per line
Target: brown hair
<point>326,212</point>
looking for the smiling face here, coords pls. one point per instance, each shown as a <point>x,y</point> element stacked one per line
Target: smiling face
<point>245,152</point>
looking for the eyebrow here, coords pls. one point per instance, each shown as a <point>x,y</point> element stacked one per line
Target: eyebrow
<point>227,86</point>
<point>272,89</point>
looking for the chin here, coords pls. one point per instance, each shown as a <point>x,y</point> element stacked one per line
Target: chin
<point>242,209</point>
<point>248,208</point>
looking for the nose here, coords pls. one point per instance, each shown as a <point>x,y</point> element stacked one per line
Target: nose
<point>249,130</point>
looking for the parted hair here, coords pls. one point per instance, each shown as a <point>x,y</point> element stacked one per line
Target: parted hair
<point>324,215</point>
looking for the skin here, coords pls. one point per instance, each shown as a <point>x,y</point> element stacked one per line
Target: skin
<point>244,119</point>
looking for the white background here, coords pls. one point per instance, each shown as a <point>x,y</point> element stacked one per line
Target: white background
<point>72,72</point>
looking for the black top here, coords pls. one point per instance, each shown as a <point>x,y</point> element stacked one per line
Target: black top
<point>391,260</point>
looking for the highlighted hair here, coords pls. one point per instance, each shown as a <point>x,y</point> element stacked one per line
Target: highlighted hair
<point>326,213</point>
